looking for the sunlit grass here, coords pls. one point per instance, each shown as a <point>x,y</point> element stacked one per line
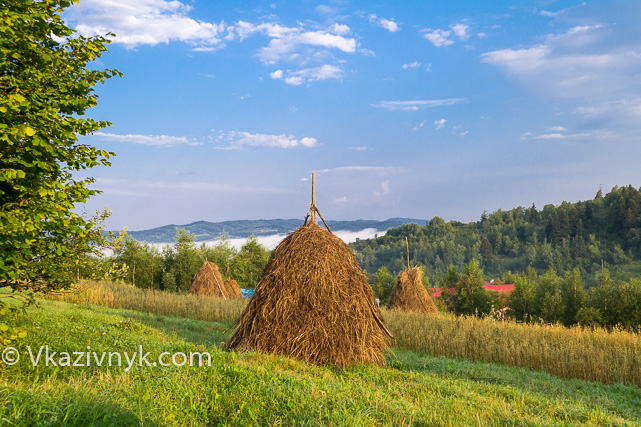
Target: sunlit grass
<point>585,353</point>
<point>258,389</point>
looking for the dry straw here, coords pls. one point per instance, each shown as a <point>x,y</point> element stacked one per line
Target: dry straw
<point>209,282</point>
<point>409,294</point>
<point>313,303</point>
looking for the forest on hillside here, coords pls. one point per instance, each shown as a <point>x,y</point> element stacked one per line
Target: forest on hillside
<point>590,235</point>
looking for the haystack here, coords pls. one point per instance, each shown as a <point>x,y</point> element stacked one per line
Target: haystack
<point>232,289</point>
<point>209,282</point>
<point>313,303</point>
<point>409,294</point>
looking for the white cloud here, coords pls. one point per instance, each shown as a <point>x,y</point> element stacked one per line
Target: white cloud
<point>152,140</point>
<point>389,24</point>
<point>440,124</point>
<point>359,148</point>
<point>439,38</point>
<point>307,75</point>
<point>417,105</point>
<point>584,63</point>
<point>238,140</point>
<point>285,43</point>
<point>145,22</point>
<point>558,135</point>
<point>278,74</point>
<point>340,29</point>
<point>412,66</point>
<point>558,128</point>
<point>461,30</point>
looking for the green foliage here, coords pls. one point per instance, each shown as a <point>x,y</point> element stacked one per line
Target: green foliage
<point>45,89</point>
<point>572,235</point>
<point>249,263</point>
<point>470,297</point>
<point>10,335</point>
<point>383,285</point>
<point>173,268</point>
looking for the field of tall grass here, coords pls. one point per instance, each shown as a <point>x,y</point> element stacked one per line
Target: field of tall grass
<point>116,295</point>
<point>584,353</point>
<point>248,388</point>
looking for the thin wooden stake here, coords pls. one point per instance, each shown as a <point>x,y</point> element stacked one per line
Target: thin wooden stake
<point>312,208</point>
<point>408,253</point>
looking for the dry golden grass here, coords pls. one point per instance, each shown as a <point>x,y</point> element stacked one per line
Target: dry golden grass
<point>585,353</point>
<point>115,295</point>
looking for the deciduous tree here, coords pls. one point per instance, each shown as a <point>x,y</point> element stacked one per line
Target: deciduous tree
<point>46,86</point>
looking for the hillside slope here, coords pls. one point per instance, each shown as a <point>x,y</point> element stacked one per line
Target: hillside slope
<point>250,389</point>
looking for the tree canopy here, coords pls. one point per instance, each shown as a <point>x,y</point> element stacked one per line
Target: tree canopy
<point>46,86</point>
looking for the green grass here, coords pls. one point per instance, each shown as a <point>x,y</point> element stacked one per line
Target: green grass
<point>257,389</point>
<point>584,353</point>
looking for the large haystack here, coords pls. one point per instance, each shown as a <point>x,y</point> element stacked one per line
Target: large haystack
<point>209,282</point>
<point>313,303</point>
<point>409,294</point>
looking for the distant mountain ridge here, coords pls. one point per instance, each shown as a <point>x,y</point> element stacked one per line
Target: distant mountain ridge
<point>205,230</point>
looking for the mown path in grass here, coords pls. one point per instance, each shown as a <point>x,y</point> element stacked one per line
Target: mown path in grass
<point>256,389</point>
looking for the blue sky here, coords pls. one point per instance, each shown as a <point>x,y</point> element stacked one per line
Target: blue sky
<point>412,109</point>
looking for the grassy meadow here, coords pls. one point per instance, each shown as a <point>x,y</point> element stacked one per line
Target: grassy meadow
<point>420,385</point>
<point>256,389</point>
<point>593,354</point>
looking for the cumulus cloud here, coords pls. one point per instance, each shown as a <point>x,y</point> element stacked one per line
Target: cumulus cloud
<point>239,140</point>
<point>416,105</point>
<point>558,128</point>
<point>461,30</point>
<point>359,148</point>
<point>340,29</point>
<point>389,24</point>
<point>151,140</point>
<point>440,124</point>
<point>278,74</point>
<point>286,43</point>
<point>439,38</point>
<point>416,65</point>
<point>308,75</point>
<point>145,22</point>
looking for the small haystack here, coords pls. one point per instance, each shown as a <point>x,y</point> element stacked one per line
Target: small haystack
<point>409,294</point>
<point>313,303</point>
<point>209,282</point>
<point>232,289</point>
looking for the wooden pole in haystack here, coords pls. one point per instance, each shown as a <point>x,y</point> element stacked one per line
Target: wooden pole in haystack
<point>407,245</point>
<point>312,207</point>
